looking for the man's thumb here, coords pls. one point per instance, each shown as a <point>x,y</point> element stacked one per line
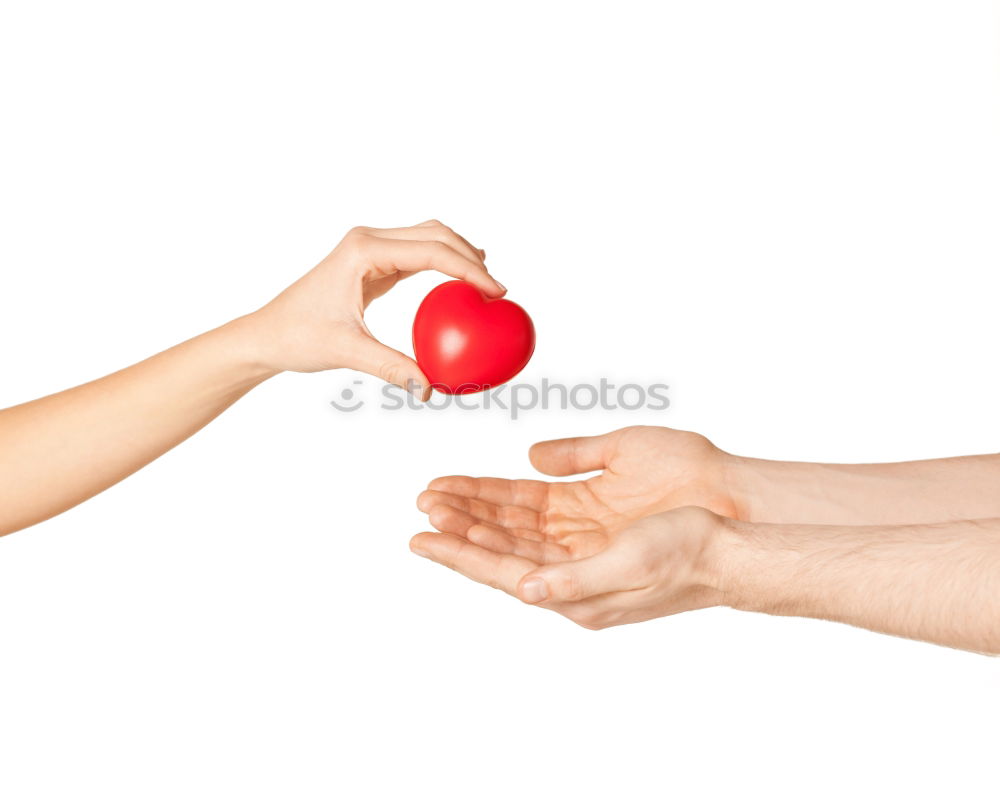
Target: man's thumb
<point>575,580</point>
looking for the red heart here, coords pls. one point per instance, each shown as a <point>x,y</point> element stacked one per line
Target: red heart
<point>465,342</point>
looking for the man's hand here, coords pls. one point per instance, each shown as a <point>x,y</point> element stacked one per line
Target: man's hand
<point>933,582</point>
<point>622,547</point>
<point>652,469</point>
<point>646,470</point>
<point>663,564</point>
<point>317,323</point>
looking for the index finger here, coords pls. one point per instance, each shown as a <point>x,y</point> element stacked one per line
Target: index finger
<point>431,231</point>
<point>390,255</point>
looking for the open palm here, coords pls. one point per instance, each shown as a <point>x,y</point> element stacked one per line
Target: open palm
<point>645,470</point>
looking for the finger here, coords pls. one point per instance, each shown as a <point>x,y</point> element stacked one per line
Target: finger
<point>479,252</point>
<point>606,572</point>
<point>375,358</point>
<point>452,515</point>
<point>565,456</point>
<point>501,541</point>
<point>531,545</point>
<point>449,519</point>
<point>417,256</point>
<point>489,568</point>
<point>526,493</point>
<point>433,232</point>
<point>511,516</point>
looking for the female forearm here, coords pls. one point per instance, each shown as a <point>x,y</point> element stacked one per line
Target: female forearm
<point>58,451</point>
<point>936,582</point>
<point>915,492</point>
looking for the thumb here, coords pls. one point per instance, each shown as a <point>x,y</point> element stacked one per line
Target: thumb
<point>385,363</point>
<point>565,456</point>
<point>571,581</point>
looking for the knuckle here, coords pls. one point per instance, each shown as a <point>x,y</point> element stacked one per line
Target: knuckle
<point>355,241</point>
<point>644,571</point>
<point>437,251</point>
<point>389,372</point>
<point>565,585</point>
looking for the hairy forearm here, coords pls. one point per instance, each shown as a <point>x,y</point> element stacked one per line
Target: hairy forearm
<point>935,582</point>
<point>59,450</point>
<point>916,492</point>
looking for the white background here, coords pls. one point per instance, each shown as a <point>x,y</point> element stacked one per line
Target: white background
<point>787,211</point>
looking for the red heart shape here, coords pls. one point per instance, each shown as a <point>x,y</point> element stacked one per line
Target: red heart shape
<point>466,342</point>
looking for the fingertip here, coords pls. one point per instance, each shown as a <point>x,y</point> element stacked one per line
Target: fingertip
<point>533,589</point>
<point>534,450</point>
<point>418,389</point>
<point>539,457</point>
<point>424,503</point>
<point>486,283</point>
<point>438,516</point>
<point>418,547</point>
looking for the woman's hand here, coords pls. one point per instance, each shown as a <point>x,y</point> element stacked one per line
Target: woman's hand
<point>663,564</point>
<point>317,323</point>
<point>59,450</point>
<point>646,470</point>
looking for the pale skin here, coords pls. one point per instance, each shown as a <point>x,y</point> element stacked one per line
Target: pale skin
<point>624,546</point>
<point>60,450</point>
<point>911,549</point>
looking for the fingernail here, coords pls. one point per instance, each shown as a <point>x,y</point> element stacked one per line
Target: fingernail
<point>420,552</point>
<point>503,288</point>
<point>534,590</point>
<point>416,389</point>
<point>482,254</point>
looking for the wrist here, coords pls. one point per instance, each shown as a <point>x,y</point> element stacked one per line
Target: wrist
<point>744,485</point>
<point>244,342</point>
<point>717,569</point>
<point>783,492</point>
<point>740,564</point>
<point>761,568</point>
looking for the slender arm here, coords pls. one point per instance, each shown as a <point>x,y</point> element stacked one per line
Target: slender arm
<point>60,450</point>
